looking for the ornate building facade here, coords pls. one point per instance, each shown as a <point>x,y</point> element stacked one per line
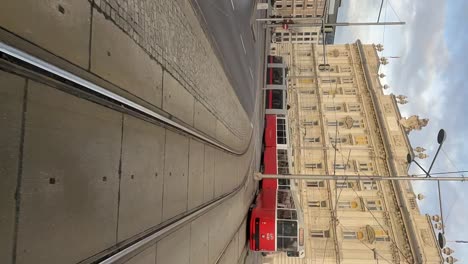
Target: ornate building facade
<point>305,12</point>
<point>342,123</point>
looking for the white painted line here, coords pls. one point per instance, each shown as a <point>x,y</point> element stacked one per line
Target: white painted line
<point>16,53</point>
<point>243,46</point>
<point>251,74</point>
<point>232,3</point>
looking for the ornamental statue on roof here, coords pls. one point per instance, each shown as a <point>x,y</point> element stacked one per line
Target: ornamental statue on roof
<point>401,99</point>
<point>413,123</point>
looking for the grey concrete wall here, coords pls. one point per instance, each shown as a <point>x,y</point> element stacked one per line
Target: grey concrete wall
<point>70,178</point>
<point>91,177</point>
<point>11,114</point>
<point>141,184</point>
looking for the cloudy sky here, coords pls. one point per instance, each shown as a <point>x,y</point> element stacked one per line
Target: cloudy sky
<point>431,71</point>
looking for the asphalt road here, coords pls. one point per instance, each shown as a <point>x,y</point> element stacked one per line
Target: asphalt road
<point>228,23</point>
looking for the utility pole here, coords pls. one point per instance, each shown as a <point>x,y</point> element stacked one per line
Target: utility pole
<point>339,24</point>
<point>259,176</point>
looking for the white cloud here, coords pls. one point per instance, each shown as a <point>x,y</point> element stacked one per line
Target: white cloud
<point>431,72</point>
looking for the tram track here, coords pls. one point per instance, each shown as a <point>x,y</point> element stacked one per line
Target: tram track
<point>132,250</point>
<point>33,65</point>
<point>23,64</point>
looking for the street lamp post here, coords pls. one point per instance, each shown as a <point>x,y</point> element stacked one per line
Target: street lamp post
<point>441,136</point>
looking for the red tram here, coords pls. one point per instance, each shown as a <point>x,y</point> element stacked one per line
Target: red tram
<point>276,223</point>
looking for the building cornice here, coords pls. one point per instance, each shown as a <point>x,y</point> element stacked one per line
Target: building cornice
<point>408,223</point>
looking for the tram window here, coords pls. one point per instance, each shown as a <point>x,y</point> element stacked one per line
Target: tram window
<point>281,131</point>
<point>287,214</point>
<point>283,164</point>
<point>277,76</point>
<point>287,243</point>
<point>277,99</point>
<point>284,187</point>
<point>285,199</point>
<point>286,228</point>
<point>283,182</point>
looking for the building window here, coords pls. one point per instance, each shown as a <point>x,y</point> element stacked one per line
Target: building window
<point>329,80</point>
<point>365,166</point>
<point>312,140</point>
<point>307,91</point>
<point>369,185</point>
<point>335,123</point>
<point>317,204</point>
<point>319,233</point>
<point>315,184</point>
<point>349,235</point>
<point>358,123</point>
<point>374,205</point>
<point>347,80</point>
<point>310,123</point>
<point>354,107</point>
<point>333,108</point>
<point>382,239</point>
<point>313,165</point>
<point>345,69</point>
<point>338,140</point>
<point>348,205</point>
<point>339,166</point>
<point>309,108</point>
<point>350,91</point>
<point>298,5</point>
<point>344,184</point>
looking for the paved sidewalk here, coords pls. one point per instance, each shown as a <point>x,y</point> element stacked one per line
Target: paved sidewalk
<point>170,33</point>
<point>136,44</point>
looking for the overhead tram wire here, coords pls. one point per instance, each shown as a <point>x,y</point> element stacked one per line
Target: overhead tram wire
<point>444,172</point>
<point>336,130</point>
<point>367,246</point>
<point>396,14</point>
<point>373,216</point>
<point>456,194</point>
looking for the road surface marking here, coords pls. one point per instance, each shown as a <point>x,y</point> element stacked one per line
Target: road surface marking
<point>232,3</point>
<point>251,74</point>
<point>243,46</point>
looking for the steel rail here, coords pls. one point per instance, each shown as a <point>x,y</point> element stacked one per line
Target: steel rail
<point>239,227</point>
<point>137,247</point>
<point>43,65</point>
<point>118,255</point>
